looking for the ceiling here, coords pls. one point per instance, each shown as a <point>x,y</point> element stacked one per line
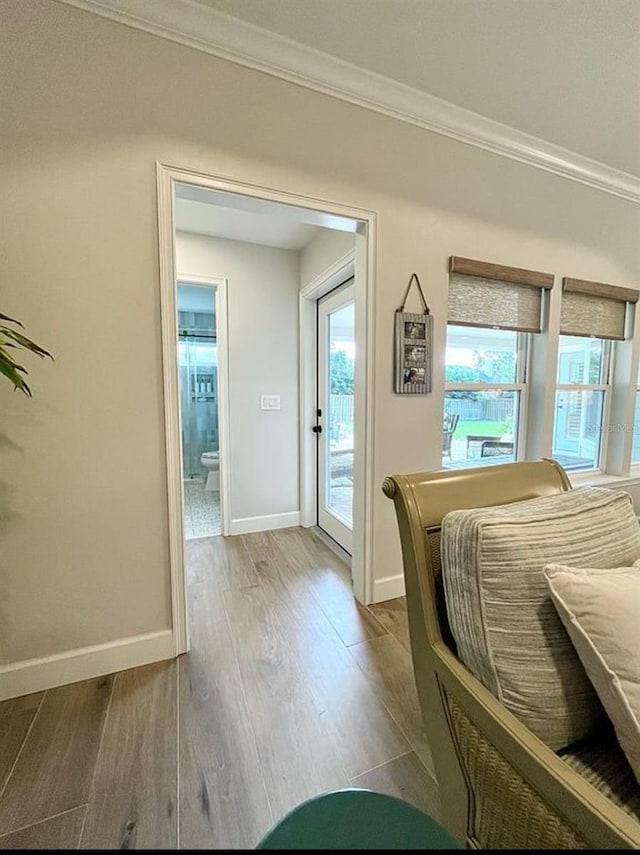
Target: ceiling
<point>205,219</point>
<point>221,214</point>
<point>565,71</point>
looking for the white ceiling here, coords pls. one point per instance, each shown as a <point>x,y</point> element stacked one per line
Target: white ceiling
<point>229,215</point>
<point>204,219</point>
<point>565,71</point>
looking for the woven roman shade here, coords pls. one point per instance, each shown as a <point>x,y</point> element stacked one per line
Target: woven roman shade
<point>594,309</point>
<point>492,295</point>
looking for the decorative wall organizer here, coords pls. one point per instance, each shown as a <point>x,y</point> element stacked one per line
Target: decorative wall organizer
<point>413,346</point>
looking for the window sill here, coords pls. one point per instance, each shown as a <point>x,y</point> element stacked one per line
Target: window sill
<point>600,479</point>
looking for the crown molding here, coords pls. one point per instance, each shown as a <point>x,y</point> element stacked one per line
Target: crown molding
<point>205,29</point>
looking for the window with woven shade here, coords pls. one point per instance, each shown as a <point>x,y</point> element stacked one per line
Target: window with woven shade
<point>594,309</point>
<point>503,298</point>
<point>493,309</point>
<point>593,316</point>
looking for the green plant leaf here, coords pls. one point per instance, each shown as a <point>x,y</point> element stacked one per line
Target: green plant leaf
<point>11,320</point>
<point>25,342</point>
<point>8,358</point>
<point>11,339</point>
<point>12,373</point>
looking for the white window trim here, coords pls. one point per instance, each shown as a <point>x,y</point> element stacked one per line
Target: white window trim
<point>605,386</point>
<point>537,415</point>
<point>606,410</point>
<point>634,465</point>
<point>522,351</point>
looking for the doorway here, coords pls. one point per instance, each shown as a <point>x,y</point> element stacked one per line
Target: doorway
<point>198,359</point>
<point>335,413</point>
<point>232,197</point>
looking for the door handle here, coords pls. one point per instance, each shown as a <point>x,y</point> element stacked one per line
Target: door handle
<point>317,428</point>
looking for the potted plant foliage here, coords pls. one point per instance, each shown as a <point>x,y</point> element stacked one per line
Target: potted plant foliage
<point>11,342</point>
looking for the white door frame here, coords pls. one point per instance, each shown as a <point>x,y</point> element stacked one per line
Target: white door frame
<point>328,520</point>
<point>329,279</point>
<point>362,568</point>
<point>358,263</point>
<point>219,283</point>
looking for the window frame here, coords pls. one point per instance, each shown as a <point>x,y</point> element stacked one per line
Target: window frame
<point>605,386</point>
<point>523,356</point>
<point>634,465</point>
<point>538,386</point>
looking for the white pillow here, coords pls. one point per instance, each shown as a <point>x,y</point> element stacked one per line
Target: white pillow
<point>600,610</point>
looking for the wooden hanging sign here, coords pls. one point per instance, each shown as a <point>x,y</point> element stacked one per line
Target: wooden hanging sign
<point>413,346</point>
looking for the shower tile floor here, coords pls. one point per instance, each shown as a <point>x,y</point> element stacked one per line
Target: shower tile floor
<point>201,510</point>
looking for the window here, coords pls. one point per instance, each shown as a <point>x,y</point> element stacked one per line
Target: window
<point>635,447</point>
<point>593,318</point>
<point>485,391</point>
<point>582,393</point>
<point>493,310</point>
<point>505,400</point>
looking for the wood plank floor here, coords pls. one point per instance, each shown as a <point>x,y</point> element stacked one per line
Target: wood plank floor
<point>290,689</point>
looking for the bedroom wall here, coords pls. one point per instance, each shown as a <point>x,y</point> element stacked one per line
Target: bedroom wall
<point>88,108</point>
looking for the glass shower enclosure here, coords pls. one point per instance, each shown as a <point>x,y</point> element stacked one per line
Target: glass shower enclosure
<point>198,377</point>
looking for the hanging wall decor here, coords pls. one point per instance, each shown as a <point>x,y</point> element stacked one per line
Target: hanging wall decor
<point>413,334</point>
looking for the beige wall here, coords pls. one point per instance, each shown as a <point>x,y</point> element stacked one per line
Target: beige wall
<point>88,107</point>
<point>327,247</point>
<point>262,309</point>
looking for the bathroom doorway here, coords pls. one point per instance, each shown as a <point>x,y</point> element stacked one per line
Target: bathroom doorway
<point>199,355</point>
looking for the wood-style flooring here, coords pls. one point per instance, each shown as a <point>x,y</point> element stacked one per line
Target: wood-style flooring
<point>290,689</point>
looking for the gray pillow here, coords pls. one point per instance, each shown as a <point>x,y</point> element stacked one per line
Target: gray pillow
<point>507,630</point>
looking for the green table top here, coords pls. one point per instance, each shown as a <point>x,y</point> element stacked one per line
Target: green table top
<point>357,819</point>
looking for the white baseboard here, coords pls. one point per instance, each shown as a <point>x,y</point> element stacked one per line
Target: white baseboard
<point>36,675</point>
<point>266,523</point>
<point>388,588</point>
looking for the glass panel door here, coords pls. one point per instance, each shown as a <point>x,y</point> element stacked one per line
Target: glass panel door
<point>334,429</point>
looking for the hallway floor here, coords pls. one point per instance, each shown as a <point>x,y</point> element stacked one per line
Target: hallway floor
<point>290,689</point>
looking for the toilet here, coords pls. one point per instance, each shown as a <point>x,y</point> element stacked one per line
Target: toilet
<point>211,461</point>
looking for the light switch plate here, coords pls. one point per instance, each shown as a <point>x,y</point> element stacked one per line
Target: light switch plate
<point>269,402</point>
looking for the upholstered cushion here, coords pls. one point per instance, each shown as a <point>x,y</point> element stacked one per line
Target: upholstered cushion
<point>505,625</point>
<point>602,763</point>
<point>600,610</point>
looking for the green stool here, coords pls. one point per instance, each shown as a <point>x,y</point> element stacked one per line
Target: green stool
<point>357,819</point>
